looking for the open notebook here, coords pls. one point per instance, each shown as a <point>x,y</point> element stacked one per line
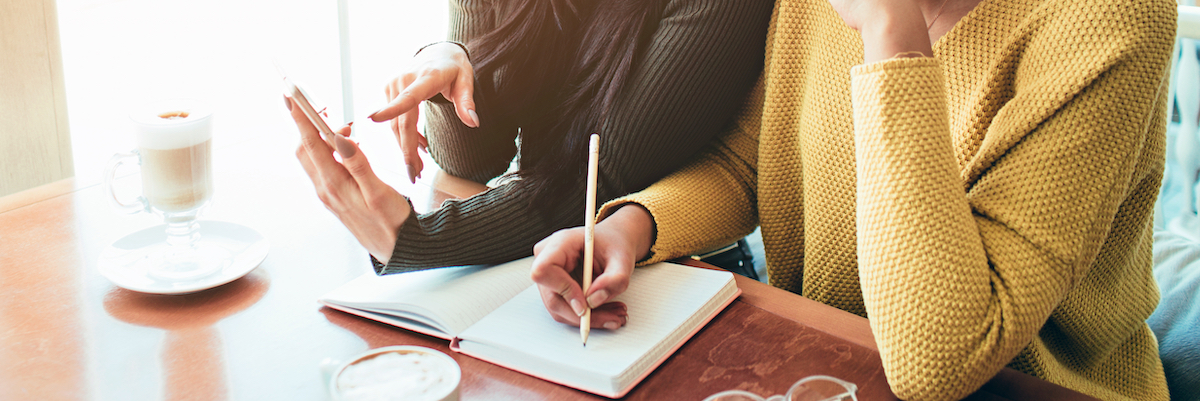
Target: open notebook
<point>496,314</point>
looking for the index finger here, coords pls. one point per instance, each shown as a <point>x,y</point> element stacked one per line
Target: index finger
<point>556,278</point>
<point>424,87</point>
<point>553,265</point>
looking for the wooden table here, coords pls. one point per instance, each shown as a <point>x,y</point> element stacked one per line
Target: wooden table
<point>66,333</point>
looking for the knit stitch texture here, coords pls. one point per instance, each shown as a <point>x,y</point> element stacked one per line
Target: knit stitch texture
<point>990,206</point>
<point>698,64</point>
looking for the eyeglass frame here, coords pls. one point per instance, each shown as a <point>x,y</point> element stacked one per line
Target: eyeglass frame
<point>851,390</point>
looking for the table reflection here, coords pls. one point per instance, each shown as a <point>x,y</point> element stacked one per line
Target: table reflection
<point>192,350</point>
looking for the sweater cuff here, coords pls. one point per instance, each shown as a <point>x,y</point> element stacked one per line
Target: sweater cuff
<point>698,207</point>
<point>611,207</point>
<point>899,104</point>
<point>453,42</point>
<point>894,64</point>
<point>399,263</point>
<point>656,254</point>
<point>377,265</point>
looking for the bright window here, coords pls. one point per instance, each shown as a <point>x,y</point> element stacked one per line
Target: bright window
<point>119,53</point>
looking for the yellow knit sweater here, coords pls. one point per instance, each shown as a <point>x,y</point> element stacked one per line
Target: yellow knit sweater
<point>990,206</point>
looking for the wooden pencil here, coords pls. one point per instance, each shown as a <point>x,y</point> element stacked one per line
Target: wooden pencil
<point>585,322</point>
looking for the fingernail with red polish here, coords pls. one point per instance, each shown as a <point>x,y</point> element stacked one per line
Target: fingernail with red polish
<point>372,116</point>
<point>344,147</point>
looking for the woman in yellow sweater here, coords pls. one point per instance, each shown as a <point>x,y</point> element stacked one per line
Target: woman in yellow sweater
<point>976,177</point>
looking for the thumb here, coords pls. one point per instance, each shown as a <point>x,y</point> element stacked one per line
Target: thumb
<point>612,282</point>
<point>463,95</point>
<point>356,163</point>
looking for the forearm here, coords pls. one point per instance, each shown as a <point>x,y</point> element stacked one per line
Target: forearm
<point>493,227</point>
<point>711,201</point>
<point>915,227</point>
<point>708,203</point>
<point>896,30</point>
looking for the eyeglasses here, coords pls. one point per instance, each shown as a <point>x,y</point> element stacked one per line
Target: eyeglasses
<point>811,388</point>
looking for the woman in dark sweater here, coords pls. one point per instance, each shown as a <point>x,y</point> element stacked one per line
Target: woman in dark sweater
<point>657,79</point>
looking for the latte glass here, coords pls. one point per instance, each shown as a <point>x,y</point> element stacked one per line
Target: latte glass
<point>174,152</point>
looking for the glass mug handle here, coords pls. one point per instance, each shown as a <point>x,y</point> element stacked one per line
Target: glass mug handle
<point>110,174</point>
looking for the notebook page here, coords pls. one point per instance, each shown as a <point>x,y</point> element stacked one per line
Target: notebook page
<point>452,298</point>
<point>661,297</point>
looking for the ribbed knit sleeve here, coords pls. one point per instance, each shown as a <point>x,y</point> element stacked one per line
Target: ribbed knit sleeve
<point>958,283</point>
<point>490,147</point>
<point>692,77</point>
<point>471,19</point>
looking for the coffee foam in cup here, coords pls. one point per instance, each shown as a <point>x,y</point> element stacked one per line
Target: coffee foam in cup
<point>172,124</point>
<point>404,372</point>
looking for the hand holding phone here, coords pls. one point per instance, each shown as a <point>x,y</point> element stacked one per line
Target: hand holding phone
<point>372,210</point>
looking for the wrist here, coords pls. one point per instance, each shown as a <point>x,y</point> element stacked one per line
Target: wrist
<point>382,259</point>
<point>384,249</point>
<point>635,224</point>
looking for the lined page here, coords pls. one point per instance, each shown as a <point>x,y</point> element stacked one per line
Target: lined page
<point>452,298</point>
<point>661,298</point>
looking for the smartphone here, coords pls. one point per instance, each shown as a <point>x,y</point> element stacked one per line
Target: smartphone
<point>300,98</point>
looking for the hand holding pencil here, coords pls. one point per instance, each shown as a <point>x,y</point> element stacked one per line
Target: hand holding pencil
<point>569,299</point>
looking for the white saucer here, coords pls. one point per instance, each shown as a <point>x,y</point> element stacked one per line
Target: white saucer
<point>125,261</point>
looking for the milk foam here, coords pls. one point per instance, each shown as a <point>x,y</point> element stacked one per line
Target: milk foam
<point>399,376</point>
<point>154,132</point>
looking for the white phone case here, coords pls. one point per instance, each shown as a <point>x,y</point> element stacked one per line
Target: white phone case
<point>301,97</point>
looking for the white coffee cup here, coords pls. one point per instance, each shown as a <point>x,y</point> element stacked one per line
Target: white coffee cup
<point>402,372</point>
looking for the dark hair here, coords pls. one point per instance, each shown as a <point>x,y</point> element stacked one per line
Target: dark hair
<point>560,64</point>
